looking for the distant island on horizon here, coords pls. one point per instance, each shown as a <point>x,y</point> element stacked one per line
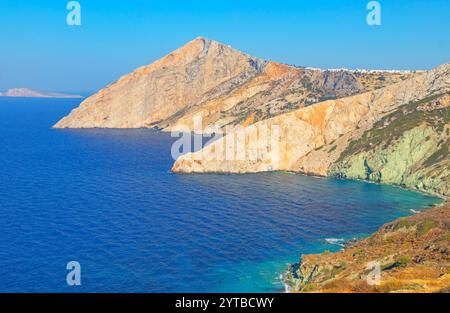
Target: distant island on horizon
<point>31,93</point>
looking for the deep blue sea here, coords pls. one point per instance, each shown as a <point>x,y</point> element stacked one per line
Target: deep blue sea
<point>107,199</point>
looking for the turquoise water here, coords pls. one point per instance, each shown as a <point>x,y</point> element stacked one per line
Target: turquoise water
<point>107,199</point>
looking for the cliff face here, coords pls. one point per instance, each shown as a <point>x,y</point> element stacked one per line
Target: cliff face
<point>154,93</point>
<point>220,84</point>
<point>390,127</point>
<point>413,254</point>
<point>397,134</point>
<point>409,147</point>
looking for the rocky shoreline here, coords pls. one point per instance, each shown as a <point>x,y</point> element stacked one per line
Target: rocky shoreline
<point>412,255</point>
<point>382,127</point>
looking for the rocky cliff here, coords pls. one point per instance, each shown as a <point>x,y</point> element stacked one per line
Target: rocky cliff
<point>383,126</point>
<point>222,85</point>
<point>387,127</point>
<point>413,255</point>
<point>408,147</point>
<point>397,134</point>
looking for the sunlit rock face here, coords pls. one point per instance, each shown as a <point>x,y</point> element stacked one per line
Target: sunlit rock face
<point>222,85</point>
<point>155,93</point>
<point>383,126</point>
<point>398,134</point>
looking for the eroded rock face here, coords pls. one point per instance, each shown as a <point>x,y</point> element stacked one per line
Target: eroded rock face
<point>222,85</point>
<point>320,115</point>
<point>154,93</point>
<point>320,139</point>
<point>409,147</point>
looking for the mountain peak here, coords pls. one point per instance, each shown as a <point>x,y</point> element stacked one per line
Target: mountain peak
<point>204,76</point>
<point>201,38</point>
<point>196,41</point>
<point>203,46</point>
<point>155,94</point>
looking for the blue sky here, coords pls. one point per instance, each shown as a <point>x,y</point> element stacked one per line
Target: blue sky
<point>39,50</point>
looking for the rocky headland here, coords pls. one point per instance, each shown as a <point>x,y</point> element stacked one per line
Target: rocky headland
<point>381,126</point>
<point>398,134</point>
<point>388,127</point>
<point>223,85</point>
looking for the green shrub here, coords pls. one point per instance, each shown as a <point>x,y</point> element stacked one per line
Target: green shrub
<point>402,261</point>
<point>425,227</point>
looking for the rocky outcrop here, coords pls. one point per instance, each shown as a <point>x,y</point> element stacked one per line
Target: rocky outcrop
<point>350,124</point>
<point>409,147</point>
<point>412,255</point>
<point>222,85</point>
<point>30,93</point>
<point>315,139</point>
<point>155,93</point>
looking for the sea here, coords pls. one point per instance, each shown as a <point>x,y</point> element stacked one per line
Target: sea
<point>107,200</point>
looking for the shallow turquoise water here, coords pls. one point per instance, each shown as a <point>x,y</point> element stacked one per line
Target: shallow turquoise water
<point>107,199</point>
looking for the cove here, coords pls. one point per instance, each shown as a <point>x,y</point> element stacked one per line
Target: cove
<point>107,199</point>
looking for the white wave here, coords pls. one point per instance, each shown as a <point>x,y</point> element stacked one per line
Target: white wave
<point>335,241</point>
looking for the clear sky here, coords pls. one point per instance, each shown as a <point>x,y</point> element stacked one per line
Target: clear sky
<point>39,50</point>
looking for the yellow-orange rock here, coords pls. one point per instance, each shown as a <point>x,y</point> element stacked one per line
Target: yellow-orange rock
<point>307,133</point>
<point>222,85</point>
